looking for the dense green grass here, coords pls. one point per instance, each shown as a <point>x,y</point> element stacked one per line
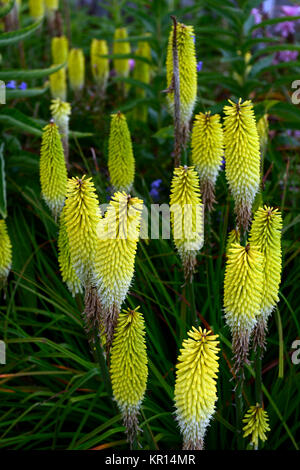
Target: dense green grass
<point>52,391</point>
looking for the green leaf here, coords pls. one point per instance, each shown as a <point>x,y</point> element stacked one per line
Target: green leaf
<point>6,8</point>
<point>15,94</point>
<point>3,205</point>
<point>15,118</point>
<point>15,36</point>
<point>274,21</point>
<point>27,74</point>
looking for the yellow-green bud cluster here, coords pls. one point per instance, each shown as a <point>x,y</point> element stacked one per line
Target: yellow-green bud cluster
<point>121,66</point>
<point>256,424</point>
<point>99,65</point>
<point>36,9</point>
<point>58,84</point>
<point>141,73</point>
<point>121,163</point>
<point>128,367</point>
<point>263,132</point>
<point>59,49</point>
<point>187,216</point>
<point>195,387</point>
<point>242,157</point>
<point>233,238</point>
<point>5,253</point>
<point>53,171</point>
<point>76,69</point>
<point>187,71</point>
<point>81,216</point>
<point>61,112</point>
<point>207,153</point>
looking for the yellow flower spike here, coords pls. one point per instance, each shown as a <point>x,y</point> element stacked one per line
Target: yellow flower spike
<point>53,171</point>
<point>256,424</point>
<point>207,153</point>
<point>233,237</point>
<point>242,157</point>
<point>121,163</point>
<point>187,217</point>
<point>118,234</point>
<point>128,368</point>
<point>266,235</point>
<point>36,9</point>
<point>59,49</point>
<point>242,297</point>
<point>263,132</point>
<point>187,72</point>
<point>68,273</point>
<point>121,66</point>
<point>99,65</point>
<point>195,386</point>
<point>82,215</point>
<point>58,84</point>
<point>52,5</point>
<point>141,73</point>
<point>5,253</point>
<point>61,112</point>
<point>76,69</point>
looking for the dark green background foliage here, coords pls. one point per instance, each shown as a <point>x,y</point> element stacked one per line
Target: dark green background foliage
<point>52,392</point>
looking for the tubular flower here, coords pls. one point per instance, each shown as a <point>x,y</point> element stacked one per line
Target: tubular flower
<point>266,235</point>
<point>207,152</point>
<point>242,296</point>
<point>61,114</point>
<point>233,237</point>
<point>53,171</point>
<point>187,72</point>
<point>256,424</point>
<point>263,132</point>
<point>36,9</point>
<point>58,84</point>
<point>118,234</point>
<point>141,73</point>
<point>68,273</point>
<point>195,386</point>
<point>76,68</point>
<point>242,155</point>
<point>59,49</point>
<point>121,66</point>
<point>187,217</point>
<point>5,253</point>
<point>82,215</point>
<point>121,164</point>
<point>100,65</point>
<point>128,367</point>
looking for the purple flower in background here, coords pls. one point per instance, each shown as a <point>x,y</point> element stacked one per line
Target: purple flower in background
<point>290,10</point>
<point>297,134</point>
<point>257,15</point>
<point>155,189</point>
<point>285,28</point>
<point>23,86</point>
<point>286,56</point>
<point>199,66</point>
<point>11,85</point>
<point>131,64</point>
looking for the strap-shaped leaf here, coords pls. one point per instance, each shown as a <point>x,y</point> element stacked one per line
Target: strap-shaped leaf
<point>27,74</point>
<point>28,93</point>
<point>3,205</point>
<point>15,36</point>
<point>16,119</point>
<point>5,9</point>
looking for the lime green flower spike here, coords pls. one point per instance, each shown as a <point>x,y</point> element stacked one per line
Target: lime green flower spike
<point>82,215</point>
<point>68,273</point>
<point>121,66</point>
<point>36,9</point>
<point>266,235</point>
<point>263,132</point>
<point>53,171</point>
<point>121,163</point>
<point>187,217</point>
<point>128,368</point>
<point>141,72</point>
<point>5,253</point>
<point>187,72</point>
<point>243,288</point>
<point>100,65</point>
<point>58,84</point>
<point>242,157</point>
<point>118,234</point>
<point>195,386</point>
<point>233,237</point>
<point>207,153</point>
<point>76,69</point>
<point>61,112</point>
<point>256,424</point>
<point>59,49</point>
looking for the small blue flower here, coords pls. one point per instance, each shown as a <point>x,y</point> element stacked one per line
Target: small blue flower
<point>199,66</point>
<point>156,184</point>
<point>155,188</point>
<point>23,86</point>
<point>11,85</point>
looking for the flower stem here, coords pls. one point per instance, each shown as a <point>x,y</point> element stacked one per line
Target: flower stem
<point>239,409</point>
<point>258,377</point>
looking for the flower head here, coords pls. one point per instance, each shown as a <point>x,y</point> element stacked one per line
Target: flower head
<point>36,9</point>
<point>5,253</point>
<point>76,69</point>
<point>59,49</point>
<point>58,84</point>
<point>195,386</point>
<point>100,65</point>
<point>121,66</point>
<point>61,112</point>
<point>128,367</point>
<point>256,424</point>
